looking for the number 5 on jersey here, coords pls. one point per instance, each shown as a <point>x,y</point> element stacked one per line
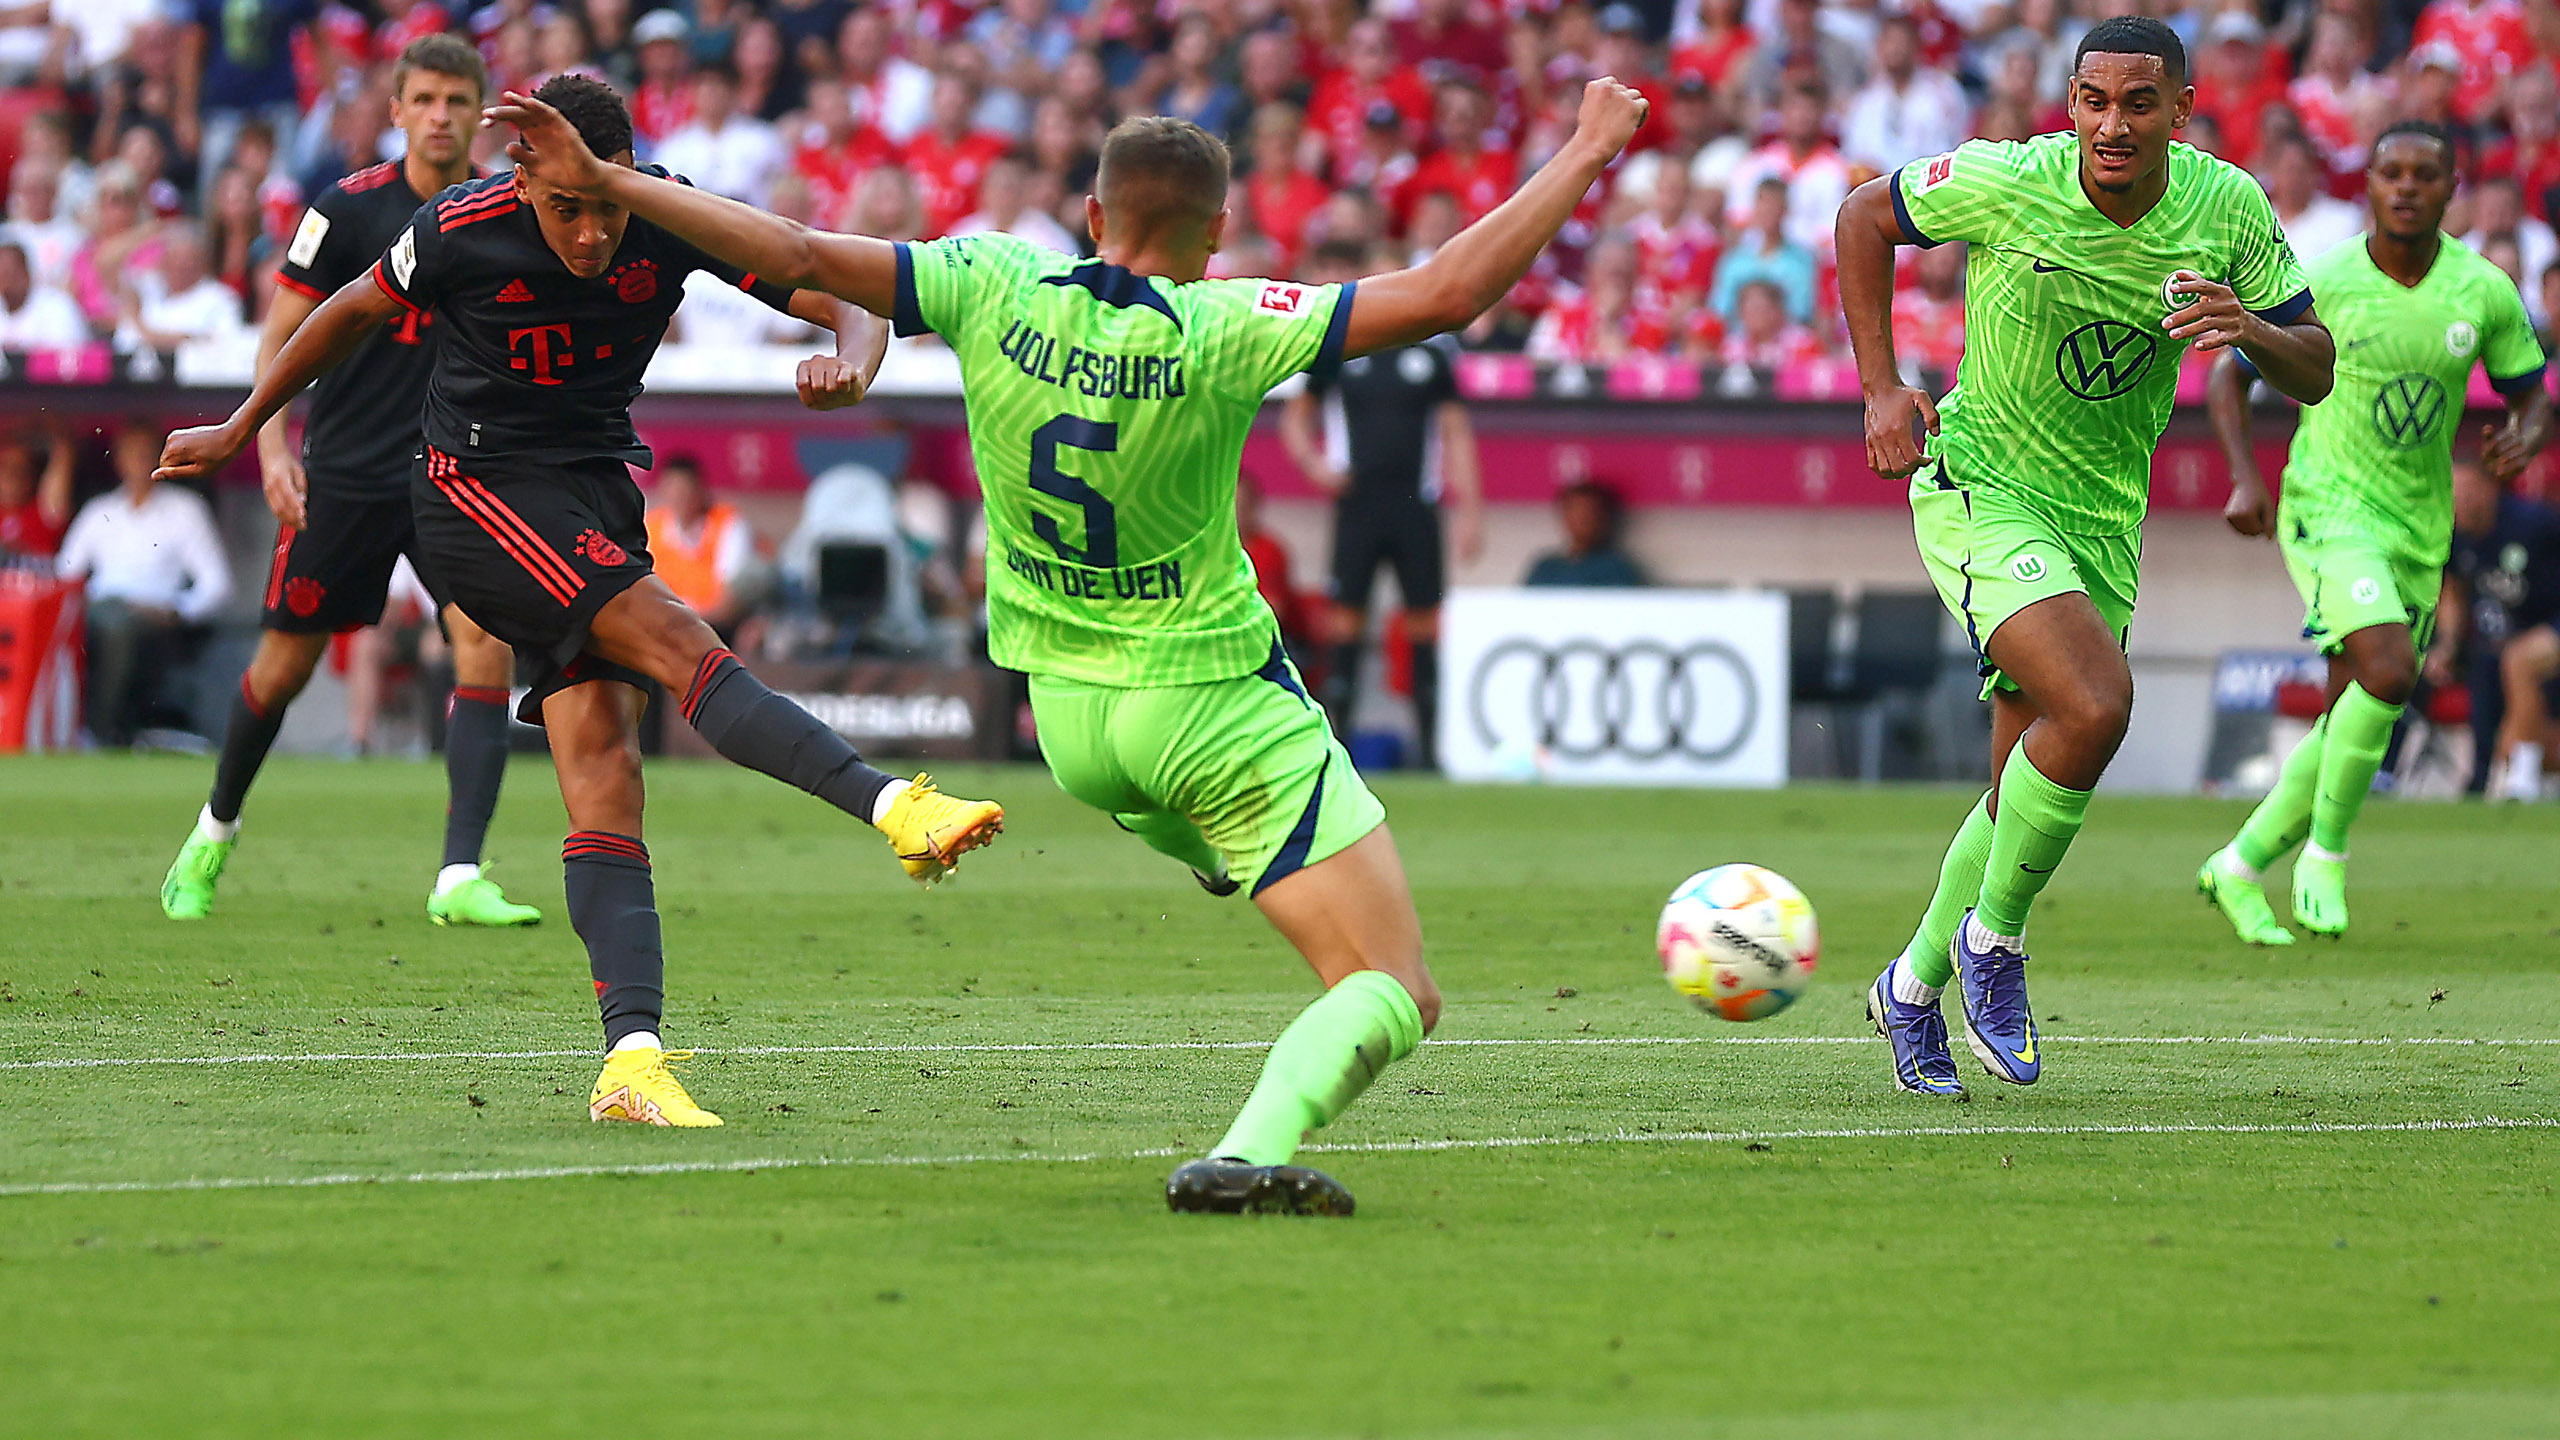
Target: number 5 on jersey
<point>1101,548</point>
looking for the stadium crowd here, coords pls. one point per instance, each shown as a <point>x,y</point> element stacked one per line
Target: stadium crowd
<point>156,152</point>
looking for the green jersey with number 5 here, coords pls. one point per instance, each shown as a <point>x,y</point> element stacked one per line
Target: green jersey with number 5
<point>1107,415</point>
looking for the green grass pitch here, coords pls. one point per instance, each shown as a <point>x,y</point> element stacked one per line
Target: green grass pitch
<point>936,1210</point>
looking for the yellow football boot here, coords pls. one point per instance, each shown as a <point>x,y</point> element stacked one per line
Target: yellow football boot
<point>637,1086</point>
<point>931,830</point>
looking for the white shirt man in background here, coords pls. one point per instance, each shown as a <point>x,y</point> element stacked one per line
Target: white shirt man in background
<point>154,569</point>
<point>178,301</point>
<point>2314,221</point>
<point>32,316</point>
<point>1908,110</point>
<point>721,150</point>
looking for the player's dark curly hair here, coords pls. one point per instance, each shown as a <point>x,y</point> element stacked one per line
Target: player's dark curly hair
<point>593,109</point>
<point>2424,130</point>
<point>2135,35</point>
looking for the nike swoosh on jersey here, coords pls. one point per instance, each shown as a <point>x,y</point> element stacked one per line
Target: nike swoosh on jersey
<point>2032,870</point>
<point>2042,268</point>
<point>2362,340</point>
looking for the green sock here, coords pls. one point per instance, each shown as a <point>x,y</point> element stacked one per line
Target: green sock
<point>2359,731</point>
<point>1321,1063</point>
<point>2284,817</point>
<point>2037,820</point>
<point>1169,834</point>
<point>1959,881</point>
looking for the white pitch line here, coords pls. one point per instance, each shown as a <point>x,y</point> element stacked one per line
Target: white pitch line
<point>1380,1147</point>
<point>1110,1046</point>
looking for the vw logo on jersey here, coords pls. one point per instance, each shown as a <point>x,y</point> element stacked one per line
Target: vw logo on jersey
<point>2459,338</point>
<point>2406,410</point>
<point>1414,365</point>
<point>2103,359</point>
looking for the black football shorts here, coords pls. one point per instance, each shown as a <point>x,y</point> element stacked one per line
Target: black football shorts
<point>532,552</point>
<point>334,573</point>
<point>1371,529</point>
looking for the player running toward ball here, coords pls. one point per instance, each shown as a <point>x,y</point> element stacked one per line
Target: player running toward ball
<point>343,505</point>
<point>2366,521</point>
<point>1108,404</point>
<point>2095,259</point>
<point>549,306</point>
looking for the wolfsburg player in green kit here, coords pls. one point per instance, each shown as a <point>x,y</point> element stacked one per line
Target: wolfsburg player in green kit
<point>1108,404</point>
<point>2367,519</point>
<point>2095,258</point>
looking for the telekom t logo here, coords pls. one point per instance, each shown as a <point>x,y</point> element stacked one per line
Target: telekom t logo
<point>541,349</point>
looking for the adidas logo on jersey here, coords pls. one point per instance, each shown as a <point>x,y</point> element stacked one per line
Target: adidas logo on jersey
<point>516,292</point>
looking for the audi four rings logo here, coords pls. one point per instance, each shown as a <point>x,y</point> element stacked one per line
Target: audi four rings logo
<point>1637,699</point>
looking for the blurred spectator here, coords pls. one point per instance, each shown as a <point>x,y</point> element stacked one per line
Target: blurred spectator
<point>2337,100</point>
<point>236,63</point>
<point>32,316</point>
<point>1591,514</point>
<point>1761,335</point>
<point>706,552</point>
<point>2235,83</point>
<point>2314,221</point>
<point>48,237</point>
<point>2549,325</point>
<point>2491,39</point>
<point>155,572</point>
<point>719,149</point>
<point>1194,91</point>
<point>1461,165</point>
<point>122,237</point>
<point>1765,252</point>
<point>1676,249</point>
<point>2502,597</point>
<point>1282,195</point>
<point>885,205</point>
<point>663,104</point>
<point>2497,213</point>
<point>1267,74</point>
<point>1799,55</point>
<point>1004,206</point>
<point>1720,48</point>
<point>1338,111</point>
<point>1814,177</point>
<point>1907,110</point>
<point>831,155</point>
<point>769,85</point>
<point>948,158</point>
<point>1383,167</point>
<point>178,300</point>
<point>888,90</point>
<point>1611,315</point>
<point>1024,42</point>
<point>1452,41</point>
<point>35,505</point>
<point>235,229</point>
<point>2530,154</point>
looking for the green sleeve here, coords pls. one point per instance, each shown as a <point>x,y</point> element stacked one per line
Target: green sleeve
<point>940,282</point>
<point>2264,274</point>
<point>1969,193</point>
<point>1253,334</point>
<point>2509,352</point>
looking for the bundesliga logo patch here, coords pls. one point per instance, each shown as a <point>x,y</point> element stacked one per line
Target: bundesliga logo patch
<point>1280,299</point>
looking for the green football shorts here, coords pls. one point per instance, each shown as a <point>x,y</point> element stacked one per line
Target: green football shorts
<point>1992,557</point>
<point>1250,761</point>
<point>2349,582</point>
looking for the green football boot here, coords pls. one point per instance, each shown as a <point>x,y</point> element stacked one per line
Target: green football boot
<point>187,893</point>
<point>479,902</point>
<point>2241,900</point>
<point>2320,895</point>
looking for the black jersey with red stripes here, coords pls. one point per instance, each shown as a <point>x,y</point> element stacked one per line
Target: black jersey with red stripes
<point>363,424</point>
<point>533,363</point>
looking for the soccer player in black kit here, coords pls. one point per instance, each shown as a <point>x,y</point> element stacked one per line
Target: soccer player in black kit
<point>1387,436</point>
<point>342,506</point>
<point>548,308</point>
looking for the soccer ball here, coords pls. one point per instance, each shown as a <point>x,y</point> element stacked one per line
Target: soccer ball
<point>1739,941</point>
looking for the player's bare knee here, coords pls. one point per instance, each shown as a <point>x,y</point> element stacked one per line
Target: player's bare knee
<point>2389,678</point>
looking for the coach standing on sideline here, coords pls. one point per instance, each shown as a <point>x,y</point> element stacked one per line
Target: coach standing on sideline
<point>1393,436</point>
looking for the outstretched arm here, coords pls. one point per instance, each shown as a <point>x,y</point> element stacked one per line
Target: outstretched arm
<point>329,336</point>
<point>850,267</point>
<point>1480,264</point>
<point>2250,510</point>
<point>1864,237</point>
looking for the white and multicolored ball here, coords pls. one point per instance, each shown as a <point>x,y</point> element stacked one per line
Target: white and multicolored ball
<point>1739,941</point>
